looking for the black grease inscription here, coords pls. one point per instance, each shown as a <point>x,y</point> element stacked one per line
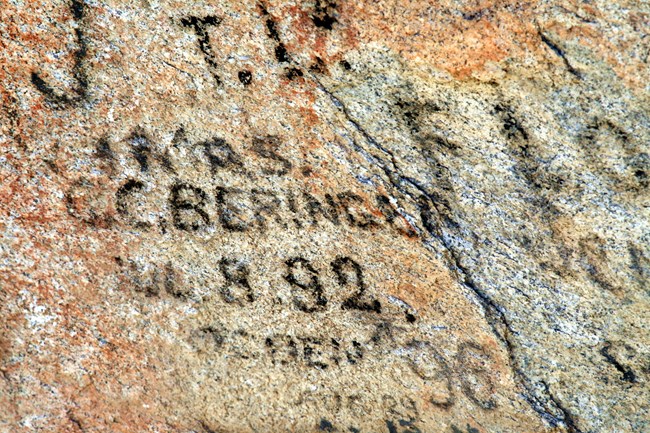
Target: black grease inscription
<point>211,335</point>
<point>512,128</point>
<point>469,370</point>
<point>525,152</point>
<point>349,272</point>
<point>270,25</point>
<point>293,73</point>
<point>431,366</point>
<point>60,99</point>
<point>326,426</point>
<point>400,417</point>
<point>200,28</point>
<point>232,212</point>
<point>188,207</point>
<point>308,290</point>
<point>301,274</point>
<point>238,209</point>
<point>318,66</point>
<point>407,425</point>
<point>476,382</point>
<point>237,287</point>
<point>267,207</point>
<point>281,54</point>
<point>616,155</point>
<point>155,280</point>
<point>245,77</point>
<point>220,154</point>
<point>324,14</point>
<point>141,149</point>
<point>309,293</point>
<point>312,351</point>
<point>316,209</point>
<point>628,373</point>
<point>125,202</point>
<point>266,147</point>
<point>404,408</point>
<point>103,149</point>
<point>355,354</point>
<point>350,202</point>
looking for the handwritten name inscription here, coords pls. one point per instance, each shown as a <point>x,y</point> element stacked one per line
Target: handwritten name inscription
<point>289,295</point>
<point>275,261</point>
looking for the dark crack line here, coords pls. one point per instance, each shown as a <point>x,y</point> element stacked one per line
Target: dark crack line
<point>495,314</point>
<point>568,417</point>
<point>557,50</point>
<point>360,129</point>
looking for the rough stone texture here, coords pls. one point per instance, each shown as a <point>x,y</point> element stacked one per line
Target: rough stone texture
<point>372,216</point>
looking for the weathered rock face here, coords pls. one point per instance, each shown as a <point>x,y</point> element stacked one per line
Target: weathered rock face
<point>325,216</point>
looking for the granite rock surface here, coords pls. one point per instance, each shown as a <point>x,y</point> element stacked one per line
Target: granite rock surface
<point>335,216</point>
